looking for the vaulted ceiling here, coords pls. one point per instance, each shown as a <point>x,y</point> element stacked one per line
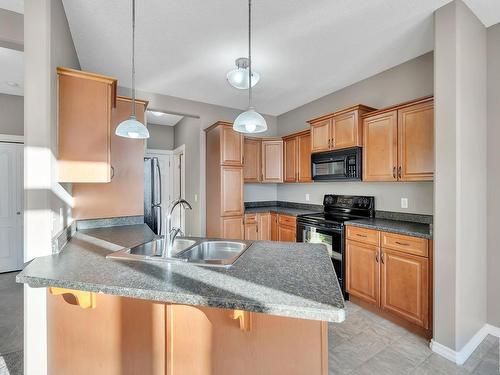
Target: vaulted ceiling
<point>302,49</point>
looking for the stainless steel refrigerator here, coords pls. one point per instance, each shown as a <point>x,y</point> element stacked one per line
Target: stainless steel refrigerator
<point>152,194</point>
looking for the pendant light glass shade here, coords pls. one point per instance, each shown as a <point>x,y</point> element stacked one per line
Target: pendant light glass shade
<point>240,77</point>
<point>250,121</point>
<point>131,128</point>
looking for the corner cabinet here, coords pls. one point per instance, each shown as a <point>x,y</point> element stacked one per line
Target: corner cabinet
<point>338,130</point>
<point>224,165</point>
<point>252,161</point>
<point>86,101</point>
<point>392,274</point>
<point>399,143</point>
<point>297,157</point>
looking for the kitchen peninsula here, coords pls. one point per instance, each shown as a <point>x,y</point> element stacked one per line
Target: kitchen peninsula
<point>266,313</point>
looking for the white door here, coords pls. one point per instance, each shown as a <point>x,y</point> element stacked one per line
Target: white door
<point>11,207</point>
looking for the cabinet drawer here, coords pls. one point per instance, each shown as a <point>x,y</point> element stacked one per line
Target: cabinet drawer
<point>407,244</point>
<point>287,220</point>
<point>367,236</point>
<point>250,218</point>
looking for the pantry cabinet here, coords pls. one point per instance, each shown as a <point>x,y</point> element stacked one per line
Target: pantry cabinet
<point>338,130</point>
<point>392,273</point>
<point>297,157</point>
<point>399,143</point>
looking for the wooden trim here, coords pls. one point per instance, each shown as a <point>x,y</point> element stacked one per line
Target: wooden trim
<point>400,106</point>
<point>425,333</point>
<point>297,134</point>
<point>342,111</point>
<point>86,300</point>
<point>87,75</point>
<point>153,151</point>
<point>129,99</point>
<point>324,347</point>
<point>7,138</point>
<point>218,123</point>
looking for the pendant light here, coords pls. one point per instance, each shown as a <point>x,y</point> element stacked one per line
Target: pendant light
<point>131,128</point>
<point>250,121</point>
<point>238,78</point>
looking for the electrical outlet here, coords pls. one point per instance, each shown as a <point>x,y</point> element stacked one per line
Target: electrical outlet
<point>307,198</point>
<point>404,202</point>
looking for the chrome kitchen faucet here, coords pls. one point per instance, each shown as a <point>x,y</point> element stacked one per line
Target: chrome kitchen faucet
<point>171,233</point>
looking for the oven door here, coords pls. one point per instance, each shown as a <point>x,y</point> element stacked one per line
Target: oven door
<point>333,238</point>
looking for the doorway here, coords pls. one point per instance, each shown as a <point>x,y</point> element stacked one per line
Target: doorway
<point>11,206</point>
<point>172,172</point>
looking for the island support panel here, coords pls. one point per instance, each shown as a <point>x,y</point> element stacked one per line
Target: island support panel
<point>130,336</point>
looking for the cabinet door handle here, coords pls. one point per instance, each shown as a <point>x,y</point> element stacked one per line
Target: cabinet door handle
<point>329,143</point>
<point>382,257</point>
<point>376,256</point>
<point>402,243</point>
<point>399,172</point>
<point>394,172</point>
<point>361,235</point>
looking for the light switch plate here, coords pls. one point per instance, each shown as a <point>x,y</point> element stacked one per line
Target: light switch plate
<point>196,197</point>
<point>307,198</point>
<point>404,202</point>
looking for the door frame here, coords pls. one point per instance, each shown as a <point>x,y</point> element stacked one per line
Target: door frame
<point>18,140</point>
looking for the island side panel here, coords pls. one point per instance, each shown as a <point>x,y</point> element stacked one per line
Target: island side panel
<point>119,336</point>
<point>203,341</point>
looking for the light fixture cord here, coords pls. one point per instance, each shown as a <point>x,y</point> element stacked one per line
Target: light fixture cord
<point>133,58</point>
<point>249,53</point>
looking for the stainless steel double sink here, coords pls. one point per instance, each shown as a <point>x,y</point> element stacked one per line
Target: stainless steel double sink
<point>204,252</point>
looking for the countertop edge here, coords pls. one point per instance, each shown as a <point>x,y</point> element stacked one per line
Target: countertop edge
<point>333,315</point>
<point>390,229</point>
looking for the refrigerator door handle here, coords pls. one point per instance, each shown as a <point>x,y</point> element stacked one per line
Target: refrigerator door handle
<point>159,181</point>
<point>160,221</point>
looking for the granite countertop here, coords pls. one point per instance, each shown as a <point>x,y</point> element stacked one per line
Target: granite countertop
<point>280,210</point>
<point>395,226</point>
<point>286,279</point>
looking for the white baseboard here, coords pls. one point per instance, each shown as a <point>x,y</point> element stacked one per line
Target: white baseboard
<point>459,357</point>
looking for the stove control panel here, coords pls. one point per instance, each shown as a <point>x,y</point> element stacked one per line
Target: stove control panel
<point>349,202</point>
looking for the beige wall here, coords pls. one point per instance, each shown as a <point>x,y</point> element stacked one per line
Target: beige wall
<point>493,175</point>
<point>161,137</point>
<point>460,183</point>
<point>407,81</point>
<point>12,110</point>
<point>47,44</point>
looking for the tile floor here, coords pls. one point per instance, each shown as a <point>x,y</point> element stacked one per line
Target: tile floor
<point>368,344</point>
<point>11,325</point>
<point>364,344</point>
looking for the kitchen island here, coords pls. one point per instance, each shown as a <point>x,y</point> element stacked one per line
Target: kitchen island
<point>266,313</point>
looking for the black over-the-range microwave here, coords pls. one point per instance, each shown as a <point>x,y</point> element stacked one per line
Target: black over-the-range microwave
<point>337,165</point>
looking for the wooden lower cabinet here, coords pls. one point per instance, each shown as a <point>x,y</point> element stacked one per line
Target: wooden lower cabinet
<point>274,226</point>
<point>405,286</point>
<point>264,226</point>
<point>232,228</point>
<point>123,336</point>
<point>363,273</point>
<point>392,274</point>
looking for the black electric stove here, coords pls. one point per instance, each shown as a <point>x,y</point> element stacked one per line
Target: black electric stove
<point>327,227</point>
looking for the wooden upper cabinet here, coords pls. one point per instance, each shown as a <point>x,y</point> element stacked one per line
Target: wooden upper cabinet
<point>304,157</point>
<point>290,159</point>
<point>321,135</point>
<point>231,146</point>
<point>363,271</point>
<point>405,286</point>
<point>416,142</point>
<point>272,160</point>
<point>297,157</point>
<point>84,126</point>
<point>338,130</point>
<point>231,191</point>
<point>399,143</point>
<point>380,151</point>
<point>252,159</point>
